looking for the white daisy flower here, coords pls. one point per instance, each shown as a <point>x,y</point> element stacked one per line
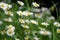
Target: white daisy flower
<point>27,13</point>
<point>58,30</point>
<point>34,22</point>
<point>45,10</point>
<point>9,6</point>
<point>21,21</point>
<point>20,13</point>
<point>27,21</point>
<point>38,15</point>
<point>25,26</point>
<point>10,32</point>
<point>35,4</point>
<point>8,19</point>
<point>45,32</point>
<point>20,3</point>
<point>57,24</point>
<point>10,27</point>
<point>5,6</point>
<point>45,24</point>
<point>9,13</point>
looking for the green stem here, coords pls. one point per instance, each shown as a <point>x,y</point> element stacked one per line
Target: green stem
<point>54,28</point>
<point>27,4</point>
<point>53,34</point>
<point>56,9</point>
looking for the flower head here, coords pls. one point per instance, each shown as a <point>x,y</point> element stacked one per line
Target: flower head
<point>35,4</point>
<point>20,3</point>
<point>10,32</point>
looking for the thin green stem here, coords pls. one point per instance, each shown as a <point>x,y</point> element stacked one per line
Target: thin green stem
<point>56,9</point>
<point>27,4</point>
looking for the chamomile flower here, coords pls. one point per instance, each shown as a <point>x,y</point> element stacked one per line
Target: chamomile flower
<point>8,19</point>
<point>45,32</point>
<point>35,4</point>
<point>38,15</point>
<point>45,24</point>
<point>10,32</point>
<point>10,27</point>
<point>27,21</point>
<point>21,21</point>
<point>9,6</point>
<point>57,24</point>
<point>5,6</point>
<point>51,18</point>
<point>20,3</point>
<point>9,13</point>
<point>34,22</point>
<point>27,13</point>
<point>20,13</point>
<point>25,26</point>
<point>58,30</point>
<point>45,10</point>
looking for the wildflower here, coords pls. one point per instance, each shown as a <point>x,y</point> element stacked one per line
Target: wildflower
<point>20,13</point>
<point>5,6</point>
<point>49,19</point>
<point>10,27</point>
<point>35,4</point>
<point>58,30</point>
<point>38,15</point>
<point>45,32</point>
<point>27,13</point>
<point>34,22</point>
<point>45,10</point>
<point>25,26</point>
<point>9,13</point>
<point>8,19</point>
<point>57,24</point>
<point>20,3</point>
<point>21,21</point>
<point>45,24</point>
<point>27,21</point>
<point>10,32</point>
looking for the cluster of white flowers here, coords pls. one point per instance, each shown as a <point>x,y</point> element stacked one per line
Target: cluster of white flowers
<point>27,19</point>
<point>5,6</point>
<point>24,13</point>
